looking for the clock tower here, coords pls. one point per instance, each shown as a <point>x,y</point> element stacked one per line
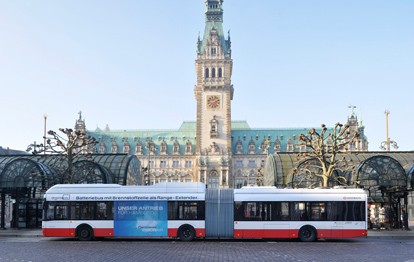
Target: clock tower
<point>213,92</point>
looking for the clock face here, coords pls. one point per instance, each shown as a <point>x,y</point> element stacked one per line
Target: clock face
<point>213,101</point>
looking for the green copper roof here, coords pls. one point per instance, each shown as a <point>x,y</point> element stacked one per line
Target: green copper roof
<point>214,20</point>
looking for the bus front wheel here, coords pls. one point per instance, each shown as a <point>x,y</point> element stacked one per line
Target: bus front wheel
<point>186,233</point>
<point>307,234</point>
<point>84,233</point>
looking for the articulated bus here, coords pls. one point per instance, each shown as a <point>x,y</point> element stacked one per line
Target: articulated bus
<point>189,210</point>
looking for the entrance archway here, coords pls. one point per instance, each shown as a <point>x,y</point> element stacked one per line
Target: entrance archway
<point>386,182</point>
<point>22,183</point>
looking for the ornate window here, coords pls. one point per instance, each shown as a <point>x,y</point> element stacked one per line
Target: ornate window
<point>138,147</point>
<point>220,72</point>
<point>150,147</point>
<point>206,73</point>
<point>176,148</point>
<point>277,147</point>
<point>114,147</point>
<point>239,147</point>
<point>213,72</point>
<point>163,163</point>
<point>252,163</point>
<point>213,127</point>
<point>213,180</point>
<point>264,146</point>
<point>188,148</point>
<point>239,163</point>
<point>188,163</point>
<point>290,147</point>
<point>213,51</point>
<point>163,150</point>
<point>252,147</point>
<point>102,148</point>
<point>176,163</point>
<point>126,146</point>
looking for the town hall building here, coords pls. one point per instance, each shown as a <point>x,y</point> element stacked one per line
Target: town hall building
<point>214,149</point>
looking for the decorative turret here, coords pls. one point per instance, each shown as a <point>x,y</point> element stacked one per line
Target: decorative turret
<point>213,32</point>
<point>80,124</point>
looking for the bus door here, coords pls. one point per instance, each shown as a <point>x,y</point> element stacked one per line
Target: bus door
<point>219,213</point>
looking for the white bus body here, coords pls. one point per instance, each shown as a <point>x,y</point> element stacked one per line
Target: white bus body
<point>179,210</point>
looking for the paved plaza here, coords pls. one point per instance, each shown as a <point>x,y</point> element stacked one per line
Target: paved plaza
<point>381,245</point>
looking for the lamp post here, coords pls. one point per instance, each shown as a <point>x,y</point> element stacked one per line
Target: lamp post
<point>385,145</point>
<point>44,133</point>
<point>150,149</point>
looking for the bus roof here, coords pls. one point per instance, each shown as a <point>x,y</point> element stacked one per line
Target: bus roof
<point>171,187</point>
<point>274,190</point>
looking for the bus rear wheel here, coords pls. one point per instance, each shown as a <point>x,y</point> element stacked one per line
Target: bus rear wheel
<point>307,234</point>
<point>84,233</point>
<point>186,233</point>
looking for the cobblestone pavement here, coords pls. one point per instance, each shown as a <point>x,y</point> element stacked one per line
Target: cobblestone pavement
<point>33,249</point>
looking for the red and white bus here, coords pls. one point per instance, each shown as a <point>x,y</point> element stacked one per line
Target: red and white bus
<point>189,210</point>
<point>307,214</point>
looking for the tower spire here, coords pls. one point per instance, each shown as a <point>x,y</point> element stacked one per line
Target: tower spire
<point>214,24</point>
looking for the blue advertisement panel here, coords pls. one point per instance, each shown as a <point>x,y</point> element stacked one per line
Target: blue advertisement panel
<point>141,218</point>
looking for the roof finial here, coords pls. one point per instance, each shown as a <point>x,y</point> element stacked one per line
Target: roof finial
<point>80,115</point>
<point>352,109</point>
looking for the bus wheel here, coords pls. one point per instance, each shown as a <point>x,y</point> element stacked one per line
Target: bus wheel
<point>186,233</point>
<point>84,233</point>
<point>307,234</point>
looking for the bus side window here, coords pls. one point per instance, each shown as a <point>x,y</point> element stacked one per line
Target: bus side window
<point>238,211</point>
<point>50,211</point>
<point>61,211</point>
<point>101,211</point>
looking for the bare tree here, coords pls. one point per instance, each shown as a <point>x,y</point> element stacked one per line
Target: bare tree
<point>325,154</point>
<point>71,145</point>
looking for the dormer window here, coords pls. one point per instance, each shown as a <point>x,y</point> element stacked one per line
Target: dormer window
<point>277,146</point>
<point>239,147</point>
<point>188,148</point>
<point>102,148</point>
<point>176,148</point>
<point>290,146</point>
<point>126,146</point>
<point>252,147</point>
<point>163,150</point>
<point>114,147</point>
<point>138,148</point>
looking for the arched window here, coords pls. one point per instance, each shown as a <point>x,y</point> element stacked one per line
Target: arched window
<point>220,72</point>
<point>206,73</point>
<point>213,51</point>
<point>213,72</point>
<point>213,179</point>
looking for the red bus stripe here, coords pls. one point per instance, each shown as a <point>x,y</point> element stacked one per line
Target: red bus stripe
<point>286,233</point>
<point>70,232</point>
<point>200,232</point>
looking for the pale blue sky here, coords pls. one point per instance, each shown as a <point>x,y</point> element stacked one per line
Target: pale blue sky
<point>130,64</point>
